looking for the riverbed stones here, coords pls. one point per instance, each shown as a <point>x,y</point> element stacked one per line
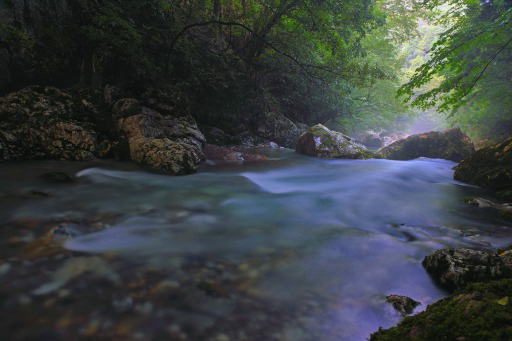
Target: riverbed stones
<point>322,142</point>
<point>45,123</point>
<point>455,268</point>
<point>450,144</point>
<point>403,304</point>
<point>170,144</point>
<point>490,167</point>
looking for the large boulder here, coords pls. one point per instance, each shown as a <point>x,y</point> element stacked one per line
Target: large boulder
<point>280,129</point>
<point>170,144</point>
<point>45,123</point>
<point>322,142</point>
<point>455,268</point>
<point>451,145</point>
<point>489,167</point>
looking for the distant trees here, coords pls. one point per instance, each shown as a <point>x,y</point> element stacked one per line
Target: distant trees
<point>308,58</point>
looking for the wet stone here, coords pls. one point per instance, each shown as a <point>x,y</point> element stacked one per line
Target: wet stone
<point>403,304</point>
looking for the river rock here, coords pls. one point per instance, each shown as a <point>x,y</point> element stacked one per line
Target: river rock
<point>451,145</point>
<point>235,154</point>
<point>278,128</point>
<point>45,123</point>
<point>490,167</point>
<point>322,142</point>
<point>403,304</point>
<point>505,210</point>
<point>167,143</point>
<point>455,268</point>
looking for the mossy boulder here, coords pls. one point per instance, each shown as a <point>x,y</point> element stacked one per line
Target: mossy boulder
<point>451,145</point>
<point>490,167</point>
<point>322,142</point>
<point>403,304</point>
<point>170,144</point>
<point>46,123</point>
<point>481,311</point>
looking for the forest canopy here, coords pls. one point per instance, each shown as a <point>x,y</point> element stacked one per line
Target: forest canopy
<point>330,61</point>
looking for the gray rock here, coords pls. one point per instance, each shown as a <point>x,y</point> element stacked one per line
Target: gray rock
<point>170,144</point>
<point>278,128</point>
<point>322,142</point>
<point>403,304</point>
<point>455,268</point>
<point>489,167</point>
<point>450,145</point>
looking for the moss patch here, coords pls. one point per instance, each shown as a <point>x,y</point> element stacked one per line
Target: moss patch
<point>482,311</point>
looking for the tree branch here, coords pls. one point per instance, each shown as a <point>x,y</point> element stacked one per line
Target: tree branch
<point>302,66</point>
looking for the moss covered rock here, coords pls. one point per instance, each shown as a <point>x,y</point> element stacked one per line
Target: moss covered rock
<point>321,142</point>
<point>482,311</point>
<point>490,167</point>
<point>450,145</point>
<point>170,144</point>
<point>46,123</point>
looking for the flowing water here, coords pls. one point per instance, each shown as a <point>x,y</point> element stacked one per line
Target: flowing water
<point>291,249</point>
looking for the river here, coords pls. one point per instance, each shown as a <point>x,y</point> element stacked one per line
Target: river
<point>295,248</point>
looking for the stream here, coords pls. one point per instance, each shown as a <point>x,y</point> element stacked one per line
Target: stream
<point>294,248</point>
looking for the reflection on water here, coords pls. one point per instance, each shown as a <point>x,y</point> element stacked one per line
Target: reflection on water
<point>328,238</point>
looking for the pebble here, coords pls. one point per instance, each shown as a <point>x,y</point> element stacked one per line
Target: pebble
<point>144,308</point>
<point>4,268</point>
<point>222,337</point>
<point>24,300</point>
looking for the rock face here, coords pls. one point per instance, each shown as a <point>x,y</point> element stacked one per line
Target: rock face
<point>455,268</point>
<point>44,123</point>
<point>450,145</point>
<point>403,304</point>
<point>170,144</point>
<point>489,167</point>
<point>319,141</point>
<point>482,311</point>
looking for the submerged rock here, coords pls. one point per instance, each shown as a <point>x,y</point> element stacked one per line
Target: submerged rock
<point>166,143</point>
<point>45,123</point>
<point>455,268</point>
<point>321,142</point>
<point>482,311</point>
<point>451,145</point>
<point>505,210</point>
<point>490,167</point>
<point>403,304</point>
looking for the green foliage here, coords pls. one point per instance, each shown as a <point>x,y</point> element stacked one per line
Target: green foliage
<point>476,313</point>
<point>312,60</point>
<point>467,73</point>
